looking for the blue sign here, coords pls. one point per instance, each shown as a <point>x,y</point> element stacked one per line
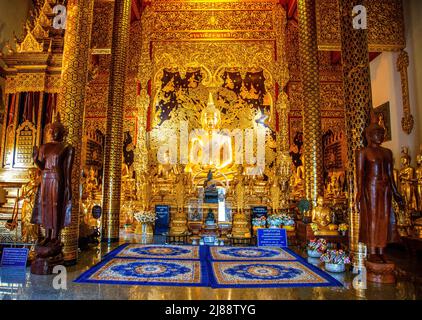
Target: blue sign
<point>273,237</point>
<point>258,212</point>
<point>14,257</point>
<point>163,219</point>
<point>13,275</point>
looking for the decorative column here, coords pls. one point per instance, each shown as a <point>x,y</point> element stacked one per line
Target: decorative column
<point>71,104</point>
<point>113,147</point>
<point>312,136</point>
<point>283,156</point>
<point>357,101</point>
<point>407,122</point>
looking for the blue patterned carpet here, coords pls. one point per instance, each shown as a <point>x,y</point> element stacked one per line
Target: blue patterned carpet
<point>147,272</point>
<point>216,267</point>
<point>250,253</point>
<point>152,251</point>
<point>265,274</point>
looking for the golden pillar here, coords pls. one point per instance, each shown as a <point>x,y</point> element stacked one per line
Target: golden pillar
<point>114,137</point>
<point>71,103</point>
<point>312,136</point>
<point>357,100</point>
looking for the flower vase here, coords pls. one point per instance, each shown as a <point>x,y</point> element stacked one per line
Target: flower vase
<point>314,254</point>
<point>335,268</point>
<point>343,233</point>
<point>144,228</point>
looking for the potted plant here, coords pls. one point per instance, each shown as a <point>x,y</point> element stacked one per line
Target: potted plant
<point>316,248</point>
<point>335,260</point>
<point>145,221</point>
<point>258,223</point>
<point>275,220</point>
<point>342,228</point>
<point>288,222</point>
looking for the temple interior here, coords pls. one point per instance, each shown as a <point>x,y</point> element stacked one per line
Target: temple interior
<point>200,124</point>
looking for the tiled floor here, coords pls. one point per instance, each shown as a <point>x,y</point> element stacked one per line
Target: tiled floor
<point>28,286</point>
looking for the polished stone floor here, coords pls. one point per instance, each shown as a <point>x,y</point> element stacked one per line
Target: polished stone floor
<point>25,286</point>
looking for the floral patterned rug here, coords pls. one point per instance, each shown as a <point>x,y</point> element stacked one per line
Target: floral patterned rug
<point>155,251</point>
<point>250,253</point>
<point>266,274</point>
<point>203,266</point>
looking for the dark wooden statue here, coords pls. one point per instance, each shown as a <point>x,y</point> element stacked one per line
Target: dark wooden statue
<point>375,189</point>
<point>54,204</point>
<point>375,186</point>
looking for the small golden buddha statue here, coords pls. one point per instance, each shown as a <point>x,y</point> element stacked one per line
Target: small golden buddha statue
<point>239,192</point>
<point>91,183</point>
<point>30,232</point>
<point>418,228</point>
<point>322,217</point>
<point>419,180</point>
<point>275,193</point>
<point>128,183</point>
<point>180,192</point>
<point>298,183</point>
<point>406,179</point>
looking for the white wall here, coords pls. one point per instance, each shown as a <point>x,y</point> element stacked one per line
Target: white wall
<point>386,87</point>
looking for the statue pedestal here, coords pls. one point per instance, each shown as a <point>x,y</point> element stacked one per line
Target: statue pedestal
<point>381,272</point>
<point>47,257</point>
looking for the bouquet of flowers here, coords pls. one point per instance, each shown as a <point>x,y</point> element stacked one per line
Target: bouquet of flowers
<point>335,257</point>
<point>275,220</point>
<point>319,245</point>
<point>343,227</point>
<point>259,222</point>
<point>145,216</point>
<point>287,220</point>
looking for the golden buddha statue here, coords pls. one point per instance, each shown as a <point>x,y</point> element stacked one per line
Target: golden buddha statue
<point>406,179</point>
<point>210,148</point>
<point>30,231</point>
<point>239,192</point>
<point>418,228</point>
<point>322,217</point>
<point>298,183</point>
<point>275,193</point>
<point>180,192</point>
<point>91,183</point>
<point>419,180</point>
<point>128,183</point>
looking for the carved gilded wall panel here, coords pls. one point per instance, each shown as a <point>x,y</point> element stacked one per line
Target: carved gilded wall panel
<point>385,25</point>
<point>103,24</point>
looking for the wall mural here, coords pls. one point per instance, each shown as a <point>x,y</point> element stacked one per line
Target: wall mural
<point>242,99</point>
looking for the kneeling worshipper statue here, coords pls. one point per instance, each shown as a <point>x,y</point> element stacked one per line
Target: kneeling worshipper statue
<point>375,188</point>
<point>53,209</point>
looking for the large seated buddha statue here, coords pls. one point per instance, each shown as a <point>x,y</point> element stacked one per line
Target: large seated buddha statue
<point>210,147</point>
<point>322,217</point>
